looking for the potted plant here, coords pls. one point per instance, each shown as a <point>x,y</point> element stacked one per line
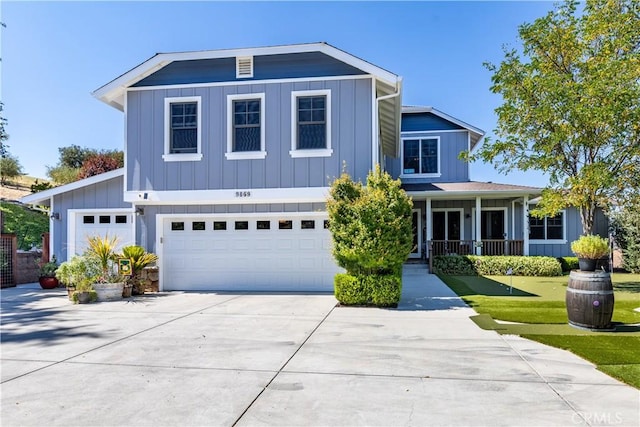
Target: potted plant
<point>77,273</point>
<point>108,283</point>
<point>47,278</point>
<point>139,259</point>
<point>589,249</point>
<point>84,293</point>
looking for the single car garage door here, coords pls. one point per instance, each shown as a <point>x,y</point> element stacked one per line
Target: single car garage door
<point>261,252</point>
<point>110,222</point>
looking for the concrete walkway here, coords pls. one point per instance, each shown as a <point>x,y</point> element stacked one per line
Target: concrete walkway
<point>267,359</point>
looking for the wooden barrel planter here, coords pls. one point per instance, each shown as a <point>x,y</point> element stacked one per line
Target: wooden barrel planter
<point>590,300</point>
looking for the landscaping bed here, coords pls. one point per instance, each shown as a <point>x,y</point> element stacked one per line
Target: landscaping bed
<point>535,309</point>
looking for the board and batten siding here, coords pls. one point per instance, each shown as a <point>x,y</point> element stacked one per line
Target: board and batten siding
<point>282,66</point>
<point>146,224</point>
<point>351,139</point>
<point>102,195</point>
<point>573,226</point>
<point>452,169</point>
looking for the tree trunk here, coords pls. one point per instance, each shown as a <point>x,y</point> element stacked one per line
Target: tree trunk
<point>587,214</point>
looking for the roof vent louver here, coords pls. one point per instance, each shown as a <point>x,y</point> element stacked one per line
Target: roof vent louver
<point>244,67</point>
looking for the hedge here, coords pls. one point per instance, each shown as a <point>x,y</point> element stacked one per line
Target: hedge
<point>379,290</point>
<point>568,263</point>
<point>471,265</point>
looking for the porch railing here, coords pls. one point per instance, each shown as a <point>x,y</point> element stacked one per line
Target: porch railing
<point>468,247</point>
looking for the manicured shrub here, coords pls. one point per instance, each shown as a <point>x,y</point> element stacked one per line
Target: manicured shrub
<point>371,289</point>
<point>568,263</point>
<point>372,236</point>
<point>349,290</point>
<point>471,265</point>
<point>385,290</point>
<point>453,265</point>
<point>520,265</point>
<point>370,226</point>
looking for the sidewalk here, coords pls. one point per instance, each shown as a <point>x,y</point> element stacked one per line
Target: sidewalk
<point>281,359</point>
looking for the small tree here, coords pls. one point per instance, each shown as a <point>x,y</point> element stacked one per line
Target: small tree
<point>626,228</point>
<point>10,168</point>
<point>372,236</point>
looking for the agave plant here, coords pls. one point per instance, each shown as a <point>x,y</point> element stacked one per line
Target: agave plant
<point>102,249</point>
<point>139,260</point>
<point>139,257</point>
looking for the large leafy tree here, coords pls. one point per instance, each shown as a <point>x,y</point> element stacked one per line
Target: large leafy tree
<point>77,162</point>
<point>571,105</point>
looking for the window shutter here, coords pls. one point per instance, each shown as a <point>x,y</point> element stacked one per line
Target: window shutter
<point>244,67</point>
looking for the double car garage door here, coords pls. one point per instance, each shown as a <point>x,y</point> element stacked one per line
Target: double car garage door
<point>261,252</point>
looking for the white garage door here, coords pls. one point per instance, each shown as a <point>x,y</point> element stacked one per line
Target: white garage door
<point>277,252</point>
<point>110,223</point>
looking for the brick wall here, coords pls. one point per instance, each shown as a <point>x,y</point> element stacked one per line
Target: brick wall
<point>26,269</point>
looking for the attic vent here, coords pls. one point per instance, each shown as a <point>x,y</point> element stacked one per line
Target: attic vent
<point>244,67</point>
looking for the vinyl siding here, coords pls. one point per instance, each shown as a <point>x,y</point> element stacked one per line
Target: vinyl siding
<point>103,195</point>
<point>351,139</point>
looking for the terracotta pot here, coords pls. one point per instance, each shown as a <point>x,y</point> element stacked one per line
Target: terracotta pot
<point>126,291</point>
<point>48,282</point>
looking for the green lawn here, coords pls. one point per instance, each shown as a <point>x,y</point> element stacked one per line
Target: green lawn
<point>537,306</point>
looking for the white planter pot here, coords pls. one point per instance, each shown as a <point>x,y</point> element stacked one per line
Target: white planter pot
<point>108,291</point>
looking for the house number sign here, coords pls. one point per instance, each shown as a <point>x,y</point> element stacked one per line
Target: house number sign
<point>243,193</point>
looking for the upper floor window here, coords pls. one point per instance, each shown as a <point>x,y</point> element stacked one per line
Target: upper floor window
<point>311,123</point>
<point>547,228</point>
<point>420,156</point>
<point>182,129</point>
<point>245,127</point>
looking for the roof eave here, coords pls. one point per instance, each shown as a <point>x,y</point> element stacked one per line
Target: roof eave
<point>36,198</point>
<point>112,93</point>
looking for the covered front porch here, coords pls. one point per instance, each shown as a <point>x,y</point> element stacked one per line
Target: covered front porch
<point>470,218</point>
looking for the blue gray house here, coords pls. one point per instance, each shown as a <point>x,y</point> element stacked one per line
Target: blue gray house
<point>229,155</point>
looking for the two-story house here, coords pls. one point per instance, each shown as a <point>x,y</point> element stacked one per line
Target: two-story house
<point>229,155</point>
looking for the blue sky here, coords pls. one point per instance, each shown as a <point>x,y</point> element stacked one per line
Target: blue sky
<point>54,54</point>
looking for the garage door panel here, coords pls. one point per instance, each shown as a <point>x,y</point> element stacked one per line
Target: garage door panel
<point>257,258</point>
<point>88,224</point>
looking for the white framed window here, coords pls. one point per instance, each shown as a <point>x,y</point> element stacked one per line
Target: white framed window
<point>182,129</point>
<point>550,229</point>
<point>421,156</point>
<point>245,127</point>
<point>311,123</point>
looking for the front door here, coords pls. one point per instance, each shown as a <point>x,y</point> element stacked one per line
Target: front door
<point>493,230</point>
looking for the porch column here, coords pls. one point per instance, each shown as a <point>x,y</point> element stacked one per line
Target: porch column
<point>478,220</point>
<point>525,225</point>
<point>427,222</point>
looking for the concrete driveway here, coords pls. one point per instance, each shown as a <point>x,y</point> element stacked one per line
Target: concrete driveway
<point>268,359</point>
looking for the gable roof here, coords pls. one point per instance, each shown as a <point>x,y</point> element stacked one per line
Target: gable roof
<point>476,133</point>
<point>43,197</point>
<point>112,93</point>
